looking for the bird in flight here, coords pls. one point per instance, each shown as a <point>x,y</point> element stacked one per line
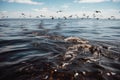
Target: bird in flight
<point>59,11</point>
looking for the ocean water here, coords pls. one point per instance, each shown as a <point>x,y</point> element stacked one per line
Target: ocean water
<point>89,29</point>
<point>32,44</point>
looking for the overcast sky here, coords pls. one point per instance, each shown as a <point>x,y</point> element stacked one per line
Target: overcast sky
<point>33,8</point>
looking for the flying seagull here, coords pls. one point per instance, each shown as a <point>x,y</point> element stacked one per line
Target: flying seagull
<point>59,11</point>
<point>98,11</point>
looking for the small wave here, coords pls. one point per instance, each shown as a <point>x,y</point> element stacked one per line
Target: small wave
<point>4,25</point>
<point>12,42</point>
<point>116,35</point>
<point>114,27</point>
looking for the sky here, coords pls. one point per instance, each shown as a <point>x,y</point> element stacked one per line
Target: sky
<point>59,8</point>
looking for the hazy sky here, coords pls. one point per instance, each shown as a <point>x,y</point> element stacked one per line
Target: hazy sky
<point>14,8</point>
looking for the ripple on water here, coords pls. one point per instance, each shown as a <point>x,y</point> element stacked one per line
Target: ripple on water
<point>114,27</point>
<point>116,35</point>
<point>32,54</point>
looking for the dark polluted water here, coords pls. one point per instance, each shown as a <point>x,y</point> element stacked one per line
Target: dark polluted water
<point>34,49</point>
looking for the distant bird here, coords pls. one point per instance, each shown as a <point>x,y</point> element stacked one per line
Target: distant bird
<point>52,17</point>
<point>59,11</point>
<point>108,18</point>
<point>23,15</point>
<point>98,11</point>
<point>112,17</point>
<point>77,16</point>
<point>70,16</point>
<point>97,18</point>
<point>94,15</point>
<point>65,17</point>
<point>37,16</point>
<point>42,16</point>
<point>87,17</point>
<point>84,14</point>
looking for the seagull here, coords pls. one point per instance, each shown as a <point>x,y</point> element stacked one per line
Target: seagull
<point>98,11</point>
<point>52,17</point>
<point>37,16</point>
<point>65,17</point>
<point>22,14</point>
<point>42,16</point>
<point>84,14</point>
<point>70,16</point>
<point>59,11</point>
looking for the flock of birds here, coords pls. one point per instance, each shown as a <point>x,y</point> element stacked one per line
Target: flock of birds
<point>84,16</point>
<point>71,16</point>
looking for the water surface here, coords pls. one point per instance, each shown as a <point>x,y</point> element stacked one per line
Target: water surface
<point>27,46</point>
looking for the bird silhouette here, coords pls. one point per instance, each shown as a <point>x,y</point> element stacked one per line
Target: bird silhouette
<point>98,11</point>
<point>59,11</point>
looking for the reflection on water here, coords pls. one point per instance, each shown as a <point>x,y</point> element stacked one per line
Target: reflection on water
<point>33,49</point>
